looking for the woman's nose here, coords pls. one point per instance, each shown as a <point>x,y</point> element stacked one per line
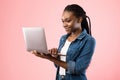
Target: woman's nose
<point>64,24</point>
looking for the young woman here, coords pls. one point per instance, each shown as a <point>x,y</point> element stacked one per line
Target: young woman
<point>76,47</point>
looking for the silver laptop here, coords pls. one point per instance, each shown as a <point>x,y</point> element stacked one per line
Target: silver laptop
<point>35,39</point>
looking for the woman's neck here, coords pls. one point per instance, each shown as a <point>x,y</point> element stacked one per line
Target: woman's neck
<point>76,33</point>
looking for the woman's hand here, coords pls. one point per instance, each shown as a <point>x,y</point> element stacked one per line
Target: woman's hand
<point>53,52</point>
<point>51,58</point>
<point>42,55</point>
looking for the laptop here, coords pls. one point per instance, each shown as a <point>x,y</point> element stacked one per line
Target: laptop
<point>35,39</point>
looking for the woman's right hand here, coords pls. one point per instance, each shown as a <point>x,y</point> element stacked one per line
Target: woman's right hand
<point>53,52</point>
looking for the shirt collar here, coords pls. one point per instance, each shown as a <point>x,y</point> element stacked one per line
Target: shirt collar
<point>80,37</point>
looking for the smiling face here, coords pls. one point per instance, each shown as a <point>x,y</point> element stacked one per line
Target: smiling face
<point>70,22</point>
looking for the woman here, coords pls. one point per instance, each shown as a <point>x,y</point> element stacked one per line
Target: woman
<point>76,48</point>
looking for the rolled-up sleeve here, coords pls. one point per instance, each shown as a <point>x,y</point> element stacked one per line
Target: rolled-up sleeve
<point>83,60</point>
<point>71,67</point>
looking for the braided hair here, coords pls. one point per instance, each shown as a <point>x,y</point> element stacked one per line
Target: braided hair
<point>78,11</point>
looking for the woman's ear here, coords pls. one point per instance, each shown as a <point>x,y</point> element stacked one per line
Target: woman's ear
<point>80,19</point>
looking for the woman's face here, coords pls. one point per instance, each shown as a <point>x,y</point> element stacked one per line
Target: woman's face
<point>69,21</point>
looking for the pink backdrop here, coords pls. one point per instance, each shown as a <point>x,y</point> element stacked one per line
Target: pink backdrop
<point>17,64</point>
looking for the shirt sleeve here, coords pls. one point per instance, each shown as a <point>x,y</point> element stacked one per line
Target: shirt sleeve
<point>83,60</point>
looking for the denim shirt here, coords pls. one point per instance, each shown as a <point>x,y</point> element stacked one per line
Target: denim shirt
<point>78,56</point>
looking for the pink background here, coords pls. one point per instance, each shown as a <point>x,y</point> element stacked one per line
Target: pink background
<point>17,64</point>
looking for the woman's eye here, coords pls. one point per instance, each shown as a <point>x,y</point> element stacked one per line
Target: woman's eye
<point>68,20</point>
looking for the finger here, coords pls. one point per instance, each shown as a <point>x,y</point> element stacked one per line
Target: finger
<point>50,50</point>
<point>56,50</point>
<point>53,50</point>
<point>31,52</point>
<point>35,51</point>
<point>41,54</point>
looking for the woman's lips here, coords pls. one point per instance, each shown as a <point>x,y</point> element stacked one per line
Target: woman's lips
<point>67,29</point>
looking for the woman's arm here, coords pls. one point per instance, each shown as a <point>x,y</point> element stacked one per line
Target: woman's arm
<point>51,58</point>
<point>83,60</point>
<point>74,67</point>
<point>59,62</point>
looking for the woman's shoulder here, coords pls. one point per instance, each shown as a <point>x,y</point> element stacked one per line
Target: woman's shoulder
<point>90,38</point>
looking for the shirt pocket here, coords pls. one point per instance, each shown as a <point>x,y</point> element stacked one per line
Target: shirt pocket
<point>75,50</point>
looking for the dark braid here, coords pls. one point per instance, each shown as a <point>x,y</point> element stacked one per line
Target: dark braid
<point>79,12</point>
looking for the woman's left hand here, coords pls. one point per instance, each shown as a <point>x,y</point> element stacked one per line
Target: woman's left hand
<point>42,55</point>
<point>49,57</point>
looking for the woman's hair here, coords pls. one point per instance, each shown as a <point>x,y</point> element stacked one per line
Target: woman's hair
<point>79,12</point>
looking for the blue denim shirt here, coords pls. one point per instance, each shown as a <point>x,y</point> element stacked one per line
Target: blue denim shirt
<point>78,56</point>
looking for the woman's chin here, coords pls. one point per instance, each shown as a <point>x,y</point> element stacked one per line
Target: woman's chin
<point>68,32</point>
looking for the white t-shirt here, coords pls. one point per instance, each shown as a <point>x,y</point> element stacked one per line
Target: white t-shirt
<point>63,58</point>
